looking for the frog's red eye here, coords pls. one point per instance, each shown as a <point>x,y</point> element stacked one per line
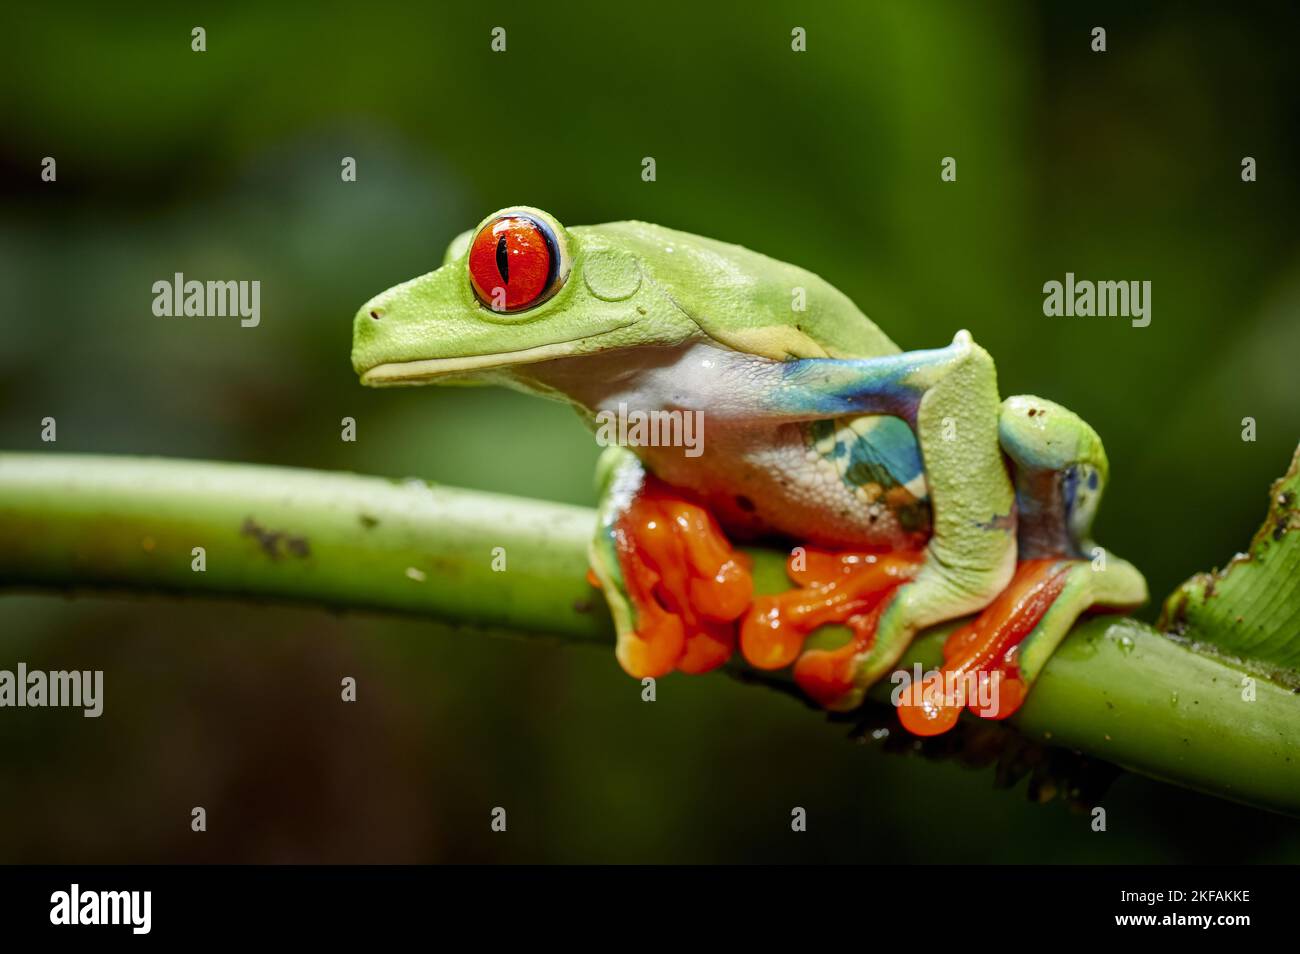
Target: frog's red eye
<point>513,262</point>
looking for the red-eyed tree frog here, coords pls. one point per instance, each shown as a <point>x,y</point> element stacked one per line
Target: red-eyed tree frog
<point>908,491</point>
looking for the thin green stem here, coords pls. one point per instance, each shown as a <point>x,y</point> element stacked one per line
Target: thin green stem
<point>1116,689</point>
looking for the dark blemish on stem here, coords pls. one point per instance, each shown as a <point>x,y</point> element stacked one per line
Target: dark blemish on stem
<point>276,543</point>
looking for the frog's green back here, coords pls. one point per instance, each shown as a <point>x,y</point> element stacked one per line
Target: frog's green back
<point>746,300</point>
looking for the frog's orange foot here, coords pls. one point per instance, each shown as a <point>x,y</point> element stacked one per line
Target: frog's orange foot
<point>851,589</point>
<point>686,584</point>
<point>981,671</point>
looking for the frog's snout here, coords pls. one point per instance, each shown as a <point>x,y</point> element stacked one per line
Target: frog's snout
<point>368,326</point>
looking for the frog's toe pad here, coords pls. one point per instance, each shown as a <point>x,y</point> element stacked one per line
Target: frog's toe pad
<point>686,584</point>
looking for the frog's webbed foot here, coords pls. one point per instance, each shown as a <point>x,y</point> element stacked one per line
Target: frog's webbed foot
<point>990,662</point>
<point>851,589</point>
<point>674,584</point>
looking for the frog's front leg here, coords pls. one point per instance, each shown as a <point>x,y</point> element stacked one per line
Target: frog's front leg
<point>1060,469</point>
<point>950,398</point>
<point>674,584</point>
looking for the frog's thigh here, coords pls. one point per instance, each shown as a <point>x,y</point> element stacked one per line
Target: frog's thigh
<point>972,553</point>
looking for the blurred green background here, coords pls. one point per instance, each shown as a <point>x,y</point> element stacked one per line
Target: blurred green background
<point>225,164</point>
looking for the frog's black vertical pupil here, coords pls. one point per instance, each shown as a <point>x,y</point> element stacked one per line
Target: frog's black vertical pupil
<point>503,258</point>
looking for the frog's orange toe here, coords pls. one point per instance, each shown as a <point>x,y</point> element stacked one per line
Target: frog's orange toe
<point>980,671</point>
<point>767,639</point>
<point>825,675</point>
<point>707,648</point>
<point>686,584</point>
<point>925,711</point>
<point>653,650</point>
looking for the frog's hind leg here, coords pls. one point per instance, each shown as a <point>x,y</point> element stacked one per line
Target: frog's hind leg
<point>674,585</point>
<point>990,663</point>
<point>949,396</point>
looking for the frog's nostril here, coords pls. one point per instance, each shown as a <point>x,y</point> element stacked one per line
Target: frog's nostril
<point>376,313</point>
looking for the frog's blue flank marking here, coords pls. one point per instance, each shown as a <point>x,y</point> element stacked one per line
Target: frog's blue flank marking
<point>878,458</point>
<point>874,450</point>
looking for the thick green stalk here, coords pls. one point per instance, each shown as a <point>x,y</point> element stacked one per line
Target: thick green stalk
<point>327,538</point>
<point>1116,689</point>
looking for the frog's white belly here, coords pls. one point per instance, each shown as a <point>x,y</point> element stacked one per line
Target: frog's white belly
<point>775,480</point>
<point>815,482</point>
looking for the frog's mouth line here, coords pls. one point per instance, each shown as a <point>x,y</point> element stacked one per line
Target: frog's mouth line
<point>427,369</point>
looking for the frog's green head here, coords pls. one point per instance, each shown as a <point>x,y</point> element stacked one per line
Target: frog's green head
<point>521,288</point>
<point>517,289</point>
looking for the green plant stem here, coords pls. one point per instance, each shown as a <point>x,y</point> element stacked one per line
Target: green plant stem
<point>1116,689</point>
